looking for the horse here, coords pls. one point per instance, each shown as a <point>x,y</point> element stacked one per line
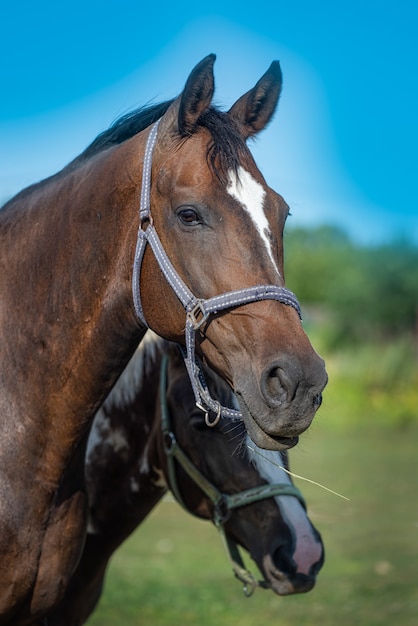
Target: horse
<point>200,262</point>
<point>149,437</point>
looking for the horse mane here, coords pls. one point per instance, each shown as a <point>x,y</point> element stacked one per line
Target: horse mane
<point>125,127</point>
<point>224,152</point>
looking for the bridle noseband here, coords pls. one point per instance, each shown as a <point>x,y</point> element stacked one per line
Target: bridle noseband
<point>197,309</point>
<point>223,504</point>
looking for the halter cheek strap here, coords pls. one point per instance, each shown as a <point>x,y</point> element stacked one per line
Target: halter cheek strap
<point>197,310</point>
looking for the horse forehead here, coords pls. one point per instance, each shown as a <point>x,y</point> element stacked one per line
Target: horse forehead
<point>251,195</point>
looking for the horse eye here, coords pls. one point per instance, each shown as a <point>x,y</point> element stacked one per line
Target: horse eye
<point>189,216</point>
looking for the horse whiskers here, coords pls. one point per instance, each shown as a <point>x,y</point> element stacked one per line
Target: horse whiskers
<point>228,427</point>
<point>240,449</point>
<point>238,436</point>
<point>313,482</point>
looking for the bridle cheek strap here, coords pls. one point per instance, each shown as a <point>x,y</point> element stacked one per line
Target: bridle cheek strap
<point>197,310</point>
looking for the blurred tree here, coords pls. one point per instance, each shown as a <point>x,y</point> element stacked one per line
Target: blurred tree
<point>366,292</point>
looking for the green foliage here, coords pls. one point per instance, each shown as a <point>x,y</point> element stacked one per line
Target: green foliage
<point>360,307</point>
<point>365,293</point>
<point>373,383</point>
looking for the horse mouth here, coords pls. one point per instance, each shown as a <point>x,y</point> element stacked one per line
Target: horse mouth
<point>263,439</point>
<point>283,584</point>
<point>281,443</point>
<point>286,442</point>
<point>266,440</point>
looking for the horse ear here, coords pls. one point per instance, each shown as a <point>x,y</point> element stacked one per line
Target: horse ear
<point>182,116</point>
<point>197,95</point>
<point>254,109</point>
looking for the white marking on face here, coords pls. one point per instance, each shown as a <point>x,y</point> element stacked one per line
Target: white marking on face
<point>250,194</point>
<point>308,549</point>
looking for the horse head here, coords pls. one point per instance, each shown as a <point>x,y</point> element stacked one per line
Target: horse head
<point>221,226</point>
<point>233,482</point>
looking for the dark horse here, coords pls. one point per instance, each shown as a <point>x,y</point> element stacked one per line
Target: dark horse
<point>213,266</point>
<point>128,471</point>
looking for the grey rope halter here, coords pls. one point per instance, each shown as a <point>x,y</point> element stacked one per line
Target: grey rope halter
<point>197,310</point>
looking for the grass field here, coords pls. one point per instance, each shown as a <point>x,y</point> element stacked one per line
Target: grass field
<point>173,570</point>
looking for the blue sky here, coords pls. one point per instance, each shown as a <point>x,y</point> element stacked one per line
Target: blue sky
<point>341,149</point>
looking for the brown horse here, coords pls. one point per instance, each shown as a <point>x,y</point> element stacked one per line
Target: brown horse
<point>213,266</point>
<point>128,471</point>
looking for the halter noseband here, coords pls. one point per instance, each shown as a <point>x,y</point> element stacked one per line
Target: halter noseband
<point>197,310</point>
<point>223,503</point>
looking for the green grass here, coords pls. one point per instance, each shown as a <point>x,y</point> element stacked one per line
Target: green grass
<point>173,570</point>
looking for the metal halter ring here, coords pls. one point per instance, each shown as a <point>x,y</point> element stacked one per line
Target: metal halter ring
<point>206,412</point>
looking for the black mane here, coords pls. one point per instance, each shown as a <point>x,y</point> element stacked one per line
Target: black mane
<point>224,153</point>
<point>125,127</point>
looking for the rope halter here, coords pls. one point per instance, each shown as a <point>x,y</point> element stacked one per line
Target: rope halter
<point>197,310</point>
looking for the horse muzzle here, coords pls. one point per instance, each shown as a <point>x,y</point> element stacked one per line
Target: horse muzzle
<point>282,404</point>
<point>282,572</point>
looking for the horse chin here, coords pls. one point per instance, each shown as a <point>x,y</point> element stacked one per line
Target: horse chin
<point>261,438</point>
<point>265,440</point>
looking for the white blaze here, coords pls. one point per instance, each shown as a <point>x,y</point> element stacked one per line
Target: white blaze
<point>250,194</point>
<point>307,547</point>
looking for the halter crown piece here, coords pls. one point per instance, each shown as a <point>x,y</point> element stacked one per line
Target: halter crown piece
<point>197,310</point>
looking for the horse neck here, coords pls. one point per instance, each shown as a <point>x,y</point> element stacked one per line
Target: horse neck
<point>125,441</point>
<point>66,253</point>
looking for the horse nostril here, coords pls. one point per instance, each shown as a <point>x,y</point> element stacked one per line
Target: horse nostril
<point>283,562</point>
<point>283,379</point>
<point>273,385</point>
<point>317,401</point>
<point>276,385</point>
